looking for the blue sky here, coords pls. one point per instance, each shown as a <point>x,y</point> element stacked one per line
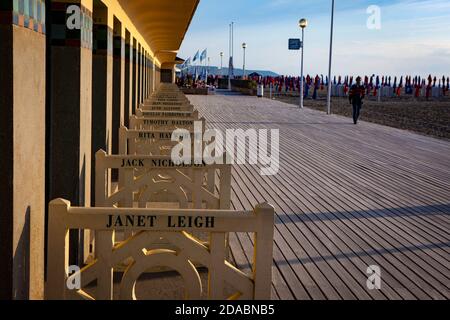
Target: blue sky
<point>414,37</point>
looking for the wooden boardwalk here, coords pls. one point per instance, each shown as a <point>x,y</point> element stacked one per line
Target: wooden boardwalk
<point>346,197</point>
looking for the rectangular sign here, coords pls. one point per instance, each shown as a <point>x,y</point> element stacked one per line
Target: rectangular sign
<point>142,221</point>
<point>295,44</point>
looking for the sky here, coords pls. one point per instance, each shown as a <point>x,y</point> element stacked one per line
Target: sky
<point>414,37</point>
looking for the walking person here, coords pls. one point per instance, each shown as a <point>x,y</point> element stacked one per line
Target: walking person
<point>356,96</point>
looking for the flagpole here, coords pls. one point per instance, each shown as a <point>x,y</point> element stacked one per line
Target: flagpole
<point>232,48</point>
<point>330,60</point>
<point>230,57</point>
<point>196,66</point>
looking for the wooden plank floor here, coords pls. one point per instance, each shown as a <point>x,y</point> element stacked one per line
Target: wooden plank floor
<point>346,197</point>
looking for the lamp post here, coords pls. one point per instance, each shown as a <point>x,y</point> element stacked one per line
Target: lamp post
<point>244,46</point>
<point>303,23</point>
<point>331,56</point>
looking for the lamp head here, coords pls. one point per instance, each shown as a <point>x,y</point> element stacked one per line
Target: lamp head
<point>303,23</point>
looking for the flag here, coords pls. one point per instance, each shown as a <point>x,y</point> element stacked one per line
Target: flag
<point>183,65</point>
<point>196,56</point>
<point>203,56</point>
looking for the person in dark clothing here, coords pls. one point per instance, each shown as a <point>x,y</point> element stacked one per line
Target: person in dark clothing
<point>356,96</point>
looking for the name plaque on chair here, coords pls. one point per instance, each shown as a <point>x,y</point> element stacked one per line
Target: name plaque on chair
<point>144,221</point>
<point>154,163</point>
<point>159,122</point>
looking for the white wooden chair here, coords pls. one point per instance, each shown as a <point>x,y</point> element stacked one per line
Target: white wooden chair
<point>225,281</point>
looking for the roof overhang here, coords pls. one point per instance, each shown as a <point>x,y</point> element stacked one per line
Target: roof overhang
<point>162,23</point>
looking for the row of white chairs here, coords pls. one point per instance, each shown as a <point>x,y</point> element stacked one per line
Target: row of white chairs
<point>160,215</point>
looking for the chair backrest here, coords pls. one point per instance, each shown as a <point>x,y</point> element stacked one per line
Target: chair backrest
<point>147,179</point>
<point>168,106</point>
<point>149,225</point>
<point>152,142</point>
<point>164,123</point>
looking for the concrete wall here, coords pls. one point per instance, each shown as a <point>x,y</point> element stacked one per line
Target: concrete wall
<point>22,132</point>
<point>6,162</point>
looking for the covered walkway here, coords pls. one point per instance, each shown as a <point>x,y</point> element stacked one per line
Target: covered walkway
<point>72,72</point>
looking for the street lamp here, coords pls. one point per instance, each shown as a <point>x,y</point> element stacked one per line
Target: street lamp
<point>244,46</point>
<point>331,56</point>
<point>303,23</point>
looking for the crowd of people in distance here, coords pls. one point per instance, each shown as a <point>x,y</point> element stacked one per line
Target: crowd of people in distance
<point>416,86</point>
<point>385,86</point>
<point>191,81</point>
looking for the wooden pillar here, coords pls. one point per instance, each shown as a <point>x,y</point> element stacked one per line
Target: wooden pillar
<point>144,75</point>
<point>139,75</point>
<point>70,108</point>
<point>154,75</point>
<point>147,73</point>
<point>150,63</point>
<point>22,145</point>
<point>150,76</point>
<point>134,78</point>
<point>141,96</point>
<point>128,81</point>
<point>102,86</point>
<point>118,107</point>
<point>157,76</point>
